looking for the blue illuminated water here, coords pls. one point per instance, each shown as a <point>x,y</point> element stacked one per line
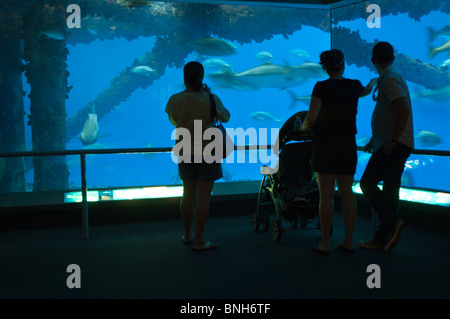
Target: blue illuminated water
<point>141,121</point>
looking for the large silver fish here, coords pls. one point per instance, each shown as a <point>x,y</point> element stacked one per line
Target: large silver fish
<point>269,76</point>
<point>442,33</point>
<point>227,79</point>
<point>300,53</point>
<point>445,64</point>
<point>440,95</point>
<point>53,34</point>
<point>143,70</point>
<point>428,139</point>
<point>216,64</point>
<point>264,55</point>
<point>264,116</point>
<point>89,134</point>
<point>442,48</point>
<point>211,46</point>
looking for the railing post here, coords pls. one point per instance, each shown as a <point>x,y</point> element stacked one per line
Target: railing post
<point>84,203</point>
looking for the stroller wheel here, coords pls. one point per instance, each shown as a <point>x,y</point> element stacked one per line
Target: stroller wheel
<point>260,221</point>
<point>275,230</point>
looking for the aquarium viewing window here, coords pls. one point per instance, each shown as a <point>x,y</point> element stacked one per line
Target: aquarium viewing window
<point>126,194</point>
<point>97,77</point>
<point>411,195</point>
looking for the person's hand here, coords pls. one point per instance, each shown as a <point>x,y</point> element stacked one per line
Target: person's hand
<point>206,88</point>
<point>389,147</point>
<point>368,148</point>
<point>373,81</point>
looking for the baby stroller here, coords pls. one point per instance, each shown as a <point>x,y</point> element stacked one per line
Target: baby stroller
<point>291,192</point>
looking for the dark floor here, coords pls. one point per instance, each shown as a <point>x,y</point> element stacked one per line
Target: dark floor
<point>147,260</point>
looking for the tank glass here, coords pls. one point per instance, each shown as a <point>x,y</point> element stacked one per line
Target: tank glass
<point>421,39</point>
<point>98,75</point>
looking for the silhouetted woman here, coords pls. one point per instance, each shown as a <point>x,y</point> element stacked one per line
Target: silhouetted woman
<point>332,117</point>
<point>198,176</point>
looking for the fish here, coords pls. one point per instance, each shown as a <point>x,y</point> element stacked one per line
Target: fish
<point>212,46</point>
<point>98,146</point>
<point>270,75</point>
<point>267,75</point>
<point>443,33</point>
<point>300,53</point>
<point>417,163</point>
<point>53,34</point>
<point>89,134</point>
<point>281,76</point>
<point>442,48</point>
<point>143,70</point>
<point>264,55</point>
<point>306,99</point>
<point>428,139</point>
<point>264,116</point>
<point>445,64</point>
<point>440,95</point>
<point>310,70</point>
<point>92,31</point>
<point>227,79</point>
<point>217,64</point>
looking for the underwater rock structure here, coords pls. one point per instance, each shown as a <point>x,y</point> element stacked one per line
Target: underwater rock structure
<point>237,23</point>
<point>12,132</point>
<point>413,70</point>
<point>25,25</point>
<point>46,73</point>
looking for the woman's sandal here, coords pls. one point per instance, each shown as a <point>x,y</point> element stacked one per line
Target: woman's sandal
<point>207,246</point>
<point>186,241</point>
<point>318,250</point>
<point>344,249</point>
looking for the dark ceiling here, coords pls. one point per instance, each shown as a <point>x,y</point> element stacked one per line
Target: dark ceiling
<point>315,2</point>
<point>319,3</point>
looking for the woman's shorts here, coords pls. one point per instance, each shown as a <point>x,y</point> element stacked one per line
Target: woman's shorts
<point>335,157</point>
<point>200,171</point>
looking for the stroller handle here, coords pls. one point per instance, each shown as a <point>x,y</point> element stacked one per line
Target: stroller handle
<point>297,136</point>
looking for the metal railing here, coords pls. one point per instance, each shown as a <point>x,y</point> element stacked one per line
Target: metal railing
<point>82,153</point>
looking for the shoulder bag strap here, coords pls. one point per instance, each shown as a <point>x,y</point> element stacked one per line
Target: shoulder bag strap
<point>213,109</point>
